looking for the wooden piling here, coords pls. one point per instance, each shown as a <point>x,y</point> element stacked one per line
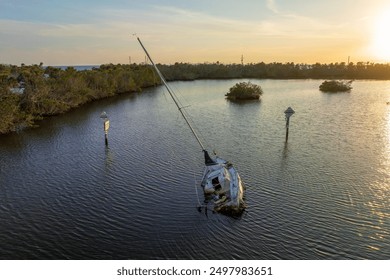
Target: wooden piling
<point>287,125</point>
<point>106,127</point>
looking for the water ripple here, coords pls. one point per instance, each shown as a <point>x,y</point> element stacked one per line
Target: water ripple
<point>323,195</point>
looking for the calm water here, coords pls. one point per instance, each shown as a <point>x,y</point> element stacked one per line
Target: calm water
<point>324,195</point>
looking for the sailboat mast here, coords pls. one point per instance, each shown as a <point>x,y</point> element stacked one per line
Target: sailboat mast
<point>172,95</point>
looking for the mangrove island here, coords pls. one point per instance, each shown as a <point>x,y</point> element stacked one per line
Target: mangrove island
<point>244,91</point>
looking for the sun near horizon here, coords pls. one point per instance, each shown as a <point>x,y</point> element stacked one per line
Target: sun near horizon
<point>90,33</point>
<point>381,36</point>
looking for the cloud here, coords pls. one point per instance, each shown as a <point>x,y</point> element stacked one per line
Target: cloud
<point>32,42</point>
<point>271,5</point>
<point>177,34</point>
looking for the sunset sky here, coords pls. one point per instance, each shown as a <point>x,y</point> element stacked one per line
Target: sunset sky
<point>92,32</point>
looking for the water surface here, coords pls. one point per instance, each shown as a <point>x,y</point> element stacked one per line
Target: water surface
<point>324,195</point>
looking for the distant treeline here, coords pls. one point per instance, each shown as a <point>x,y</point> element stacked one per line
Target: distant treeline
<point>29,93</point>
<point>360,70</point>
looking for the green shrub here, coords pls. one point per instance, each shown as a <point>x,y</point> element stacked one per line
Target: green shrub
<point>244,91</point>
<point>335,86</point>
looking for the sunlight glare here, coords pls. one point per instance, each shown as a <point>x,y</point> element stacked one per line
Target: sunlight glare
<point>381,40</point>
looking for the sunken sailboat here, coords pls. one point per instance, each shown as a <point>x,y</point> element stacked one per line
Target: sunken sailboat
<point>221,182</point>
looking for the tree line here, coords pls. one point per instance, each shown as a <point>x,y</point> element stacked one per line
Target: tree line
<point>29,93</point>
<point>351,71</point>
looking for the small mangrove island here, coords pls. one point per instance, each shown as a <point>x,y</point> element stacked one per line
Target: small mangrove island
<point>335,86</point>
<point>244,91</point>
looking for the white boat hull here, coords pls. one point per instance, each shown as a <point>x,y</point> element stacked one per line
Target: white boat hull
<point>222,184</point>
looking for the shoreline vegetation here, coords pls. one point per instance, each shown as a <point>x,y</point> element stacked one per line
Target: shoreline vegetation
<point>30,93</point>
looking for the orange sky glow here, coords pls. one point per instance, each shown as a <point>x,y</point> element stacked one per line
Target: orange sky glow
<point>95,32</point>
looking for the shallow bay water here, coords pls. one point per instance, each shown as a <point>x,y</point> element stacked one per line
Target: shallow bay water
<point>323,195</point>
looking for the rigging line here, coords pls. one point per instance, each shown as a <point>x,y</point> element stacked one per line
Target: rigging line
<point>203,205</point>
<point>172,95</point>
<point>188,115</point>
<point>165,96</point>
<point>196,190</point>
<point>177,93</point>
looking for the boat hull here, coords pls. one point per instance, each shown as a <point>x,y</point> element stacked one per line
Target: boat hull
<point>223,188</point>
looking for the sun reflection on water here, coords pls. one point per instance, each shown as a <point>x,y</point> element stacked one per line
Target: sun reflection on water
<point>379,203</point>
<point>386,151</point>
